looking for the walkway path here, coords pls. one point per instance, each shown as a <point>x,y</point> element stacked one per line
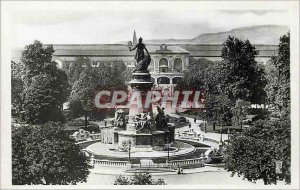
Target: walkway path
<point>195,128</point>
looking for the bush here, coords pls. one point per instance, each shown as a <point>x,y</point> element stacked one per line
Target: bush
<point>139,179</point>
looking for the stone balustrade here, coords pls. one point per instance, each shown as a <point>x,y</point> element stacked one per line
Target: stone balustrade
<point>111,163</point>
<point>188,162</point>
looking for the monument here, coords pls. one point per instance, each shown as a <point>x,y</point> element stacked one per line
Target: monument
<point>142,132</point>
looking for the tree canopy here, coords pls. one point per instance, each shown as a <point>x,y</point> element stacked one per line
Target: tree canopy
<point>196,77</point>
<point>254,152</point>
<point>240,111</point>
<point>243,78</point>
<point>45,95</point>
<point>35,58</point>
<point>46,86</point>
<point>17,86</point>
<point>282,64</point>
<point>110,76</point>
<point>45,154</point>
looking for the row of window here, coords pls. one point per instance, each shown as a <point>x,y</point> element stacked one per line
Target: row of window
<point>166,80</point>
<point>164,66</point>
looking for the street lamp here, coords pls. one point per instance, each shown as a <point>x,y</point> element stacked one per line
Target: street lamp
<point>205,121</point>
<point>129,147</point>
<point>168,153</point>
<point>221,133</point>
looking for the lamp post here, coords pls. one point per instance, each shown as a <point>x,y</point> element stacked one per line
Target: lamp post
<point>129,147</point>
<point>168,153</point>
<point>221,134</point>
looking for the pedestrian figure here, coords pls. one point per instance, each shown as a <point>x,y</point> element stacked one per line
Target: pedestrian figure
<point>181,170</point>
<point>178,169</point>
<point>190,125</point>
<point>195,120</point>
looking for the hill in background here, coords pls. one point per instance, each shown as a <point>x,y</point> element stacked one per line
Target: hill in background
<point>262,34</point>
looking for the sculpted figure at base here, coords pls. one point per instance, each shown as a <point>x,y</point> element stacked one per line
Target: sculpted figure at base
<point>161,120</point>
<point>142,121</point>
<point>120,119</point>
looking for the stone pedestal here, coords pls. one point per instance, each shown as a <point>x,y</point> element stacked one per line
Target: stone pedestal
<point>141,138</point>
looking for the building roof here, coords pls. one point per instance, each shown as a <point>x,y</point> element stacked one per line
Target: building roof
<point>214,50</point>
<point>194,50</point>
<point>110,50</point>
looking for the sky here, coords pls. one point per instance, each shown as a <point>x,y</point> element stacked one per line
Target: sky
<point>115,22</point>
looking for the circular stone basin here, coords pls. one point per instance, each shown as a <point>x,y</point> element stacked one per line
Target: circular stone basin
<point>110,151</point>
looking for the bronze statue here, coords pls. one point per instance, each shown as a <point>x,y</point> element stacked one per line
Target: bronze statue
<point>161,120</point>
<point>143,61</point>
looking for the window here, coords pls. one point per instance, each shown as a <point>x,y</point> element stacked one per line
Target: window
<point>163,65</point>
<point>178,65</point>
<point>163,80</point>
<point>176,80</point>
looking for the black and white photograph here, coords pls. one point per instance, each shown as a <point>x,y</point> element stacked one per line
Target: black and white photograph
<point>149,94</point>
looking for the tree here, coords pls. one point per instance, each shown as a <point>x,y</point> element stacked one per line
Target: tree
<point>17,87</point>
<point>206,76</point>
<point>46,155</point>
<point>243,77</point>
<point>110,76</point>
<point>254,152</point>
<point>196,77</point>
<point>76,68</point>
<point>45,95</point>
<point>218,109</point>
<point>138,179</point>
<point>45,86</point>
<point>35,58</point>
<point>240,111</point>
<point>282,64</point>
<point>272,81</point>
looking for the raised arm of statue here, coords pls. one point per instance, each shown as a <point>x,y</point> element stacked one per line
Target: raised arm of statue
<point>131,49</point>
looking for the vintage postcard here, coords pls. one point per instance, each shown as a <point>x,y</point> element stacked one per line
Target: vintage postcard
<point>149,94</point>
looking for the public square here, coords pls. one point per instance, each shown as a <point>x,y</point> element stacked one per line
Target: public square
<point>172,94</point>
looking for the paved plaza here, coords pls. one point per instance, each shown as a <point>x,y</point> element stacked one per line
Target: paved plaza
<point>101,175</point>
<point>195,128</point>
<point>197,176</point>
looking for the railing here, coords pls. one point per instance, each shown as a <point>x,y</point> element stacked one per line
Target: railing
<point>159,165</point>
<point>109,163</point>
<point>171,164</point>
<point>188,162</point>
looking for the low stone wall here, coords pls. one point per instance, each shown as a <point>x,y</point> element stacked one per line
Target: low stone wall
<point>172,164</point>
<point>188,162</point>
<point>110,163</point>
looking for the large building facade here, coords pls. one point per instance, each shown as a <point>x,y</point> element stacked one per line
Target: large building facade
<point>168,61</point>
